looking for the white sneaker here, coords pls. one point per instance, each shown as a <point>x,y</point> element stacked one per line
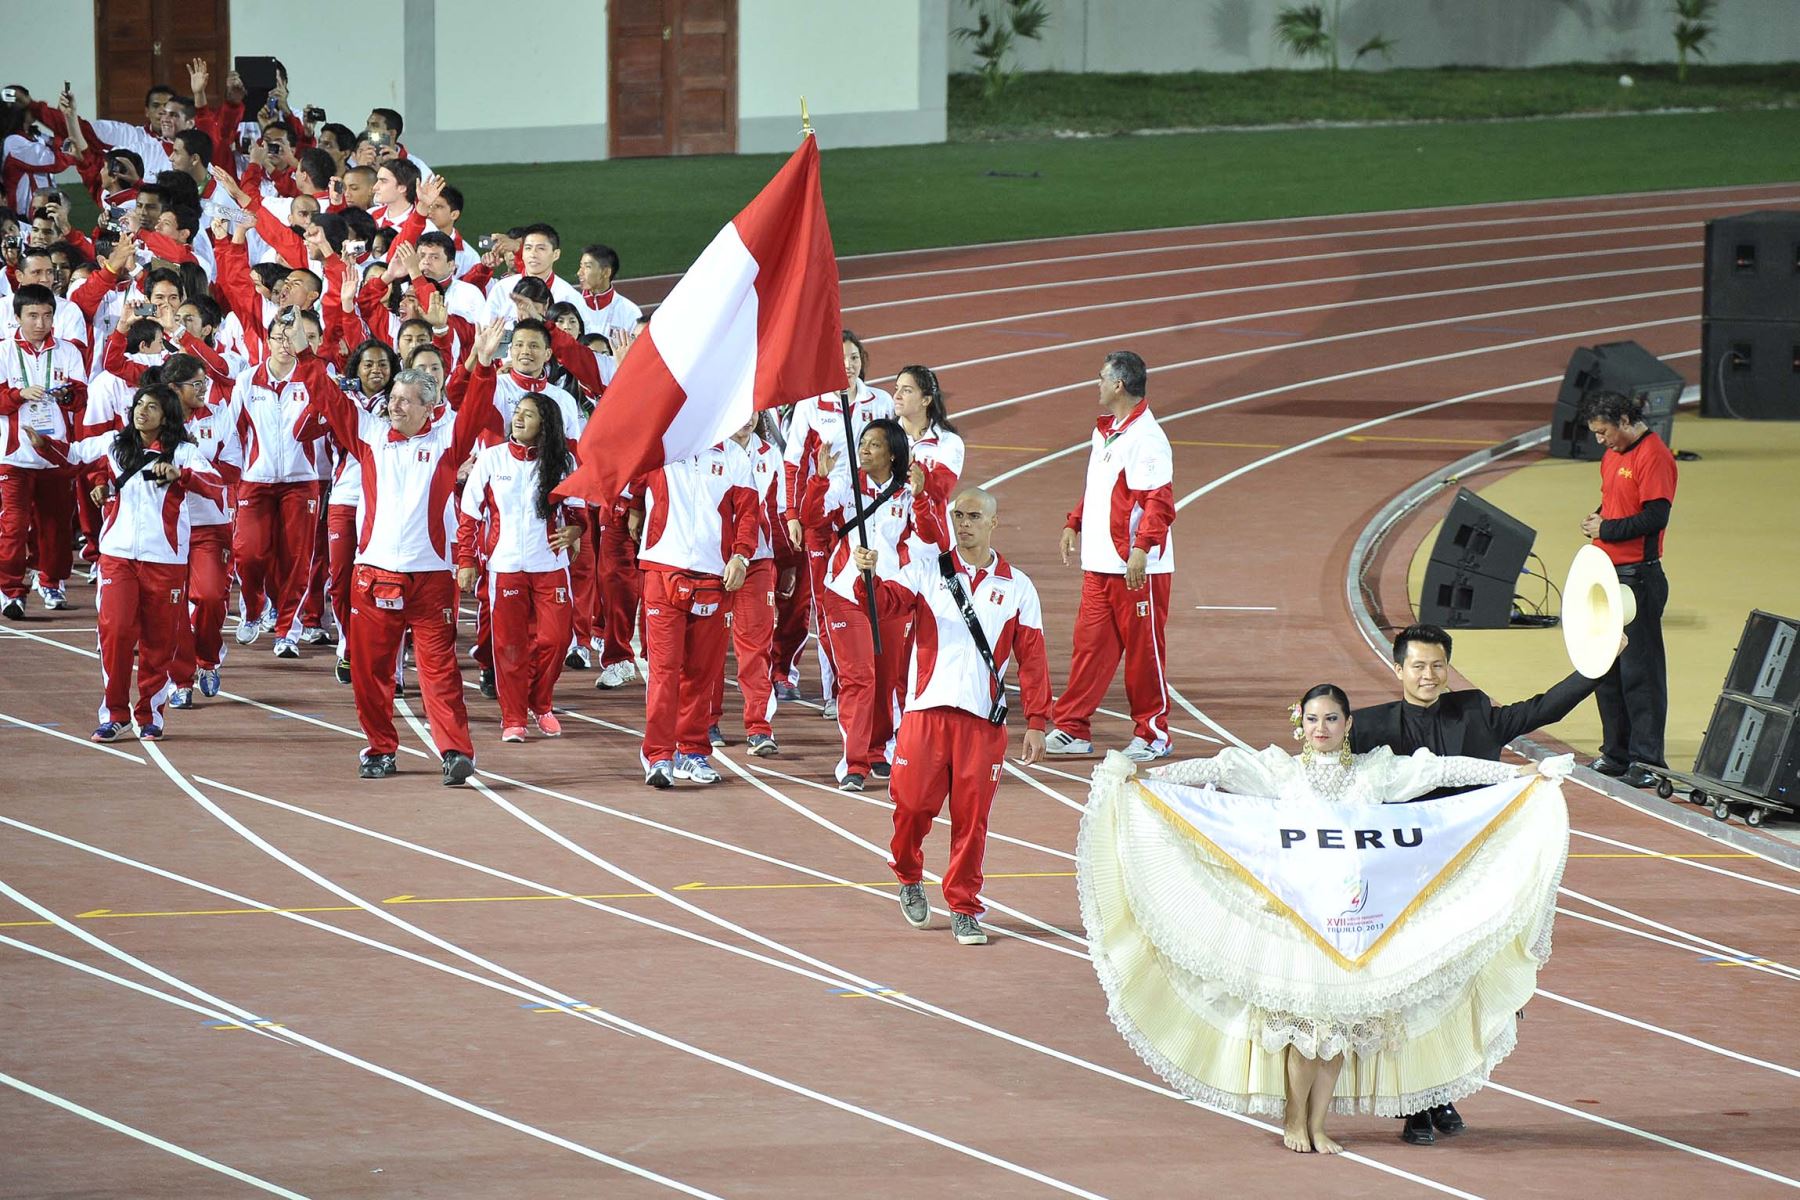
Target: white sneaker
<point>1064,743</point>
<point>314,635</point>
<point>614,675</point>
<point>52,597</point>
<point>286,648</point>
<point>829,712</point>
<point>248,632</point>
<point>1141,751</point>
<point>269,618</point>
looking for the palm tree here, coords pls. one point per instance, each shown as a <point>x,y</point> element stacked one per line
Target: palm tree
<point>1303,30</point>
<point>994,34</point>
<point>1692,28</point>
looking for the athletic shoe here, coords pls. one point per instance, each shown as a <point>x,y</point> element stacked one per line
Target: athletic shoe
<point>53,597</point>
<point>513,733</point>
<point>182,698</point>
<point>314,635</point>
<point>208,679</point>
<point>93,572</point>
<point>376,766</point>
<point>547,724</point>
<point>829,712</point>
<point>150,733</point>
<point>967,930</point>
<point>269,617</point>
<point>399,689</point>
<point>457,768</point>
<point>661,774</point>
<point>487,683</point>
<point>342,671</point>
<point>851,783</point>
<point>1141,751</point>
<point>1066,743</point>
<point>578,659</point>
<point>248,632</point>
<point>914,907</point>
<point>109,732</point>
<point>13,608</point>
<point>614,675</point>
<point>879,769</point>
<point>285,648</point>
<point>716,736</point>
<point>695,767</point>
<point>763,745</point>
<point>786,691</point>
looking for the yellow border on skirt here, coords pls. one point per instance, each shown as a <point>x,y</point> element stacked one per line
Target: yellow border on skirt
<point>1231,864</point>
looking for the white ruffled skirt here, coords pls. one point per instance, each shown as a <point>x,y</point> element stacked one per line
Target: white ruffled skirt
<point>1210,985</point>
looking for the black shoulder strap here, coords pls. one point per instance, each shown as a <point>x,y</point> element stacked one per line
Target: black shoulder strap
<point>947,568</point>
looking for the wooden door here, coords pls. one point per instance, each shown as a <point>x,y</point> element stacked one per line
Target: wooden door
<point>140,43</point>
<point>672,71</point>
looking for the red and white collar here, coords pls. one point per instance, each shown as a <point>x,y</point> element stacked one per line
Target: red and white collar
<point>600,300</point>
<point>264,378</point>
<point>49,344</point>
<point>521,453</point>
<point>1110,426</point>
<point>531,383</point>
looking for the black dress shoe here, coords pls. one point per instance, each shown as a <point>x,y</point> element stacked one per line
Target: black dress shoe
<point>1607,766</point>
<point>1445,1119</point>
<point>1418,1129</point>
<point>1638,777</point>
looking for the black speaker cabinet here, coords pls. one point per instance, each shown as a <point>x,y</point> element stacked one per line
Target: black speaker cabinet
<point>1766,666</point>
<point>1475,566</point>
<point>1753,267</point>
<point>1624,367</point>
<point>1753,747</point>
<point>1750,370</point>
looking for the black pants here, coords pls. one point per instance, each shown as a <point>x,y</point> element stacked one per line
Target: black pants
<point>1634,695</point>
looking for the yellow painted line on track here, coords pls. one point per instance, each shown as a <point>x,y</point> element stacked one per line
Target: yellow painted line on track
<point>1231,445</point>
<point>1426,441</point>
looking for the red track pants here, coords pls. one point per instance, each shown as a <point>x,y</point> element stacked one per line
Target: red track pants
<point>946,753</point>
<point>532,612</point>
<point>36,505</point>
<point>340,555</point>
<point>201,641</point>
<point>818,558</point>
<point>750,616</point>
<point>865,684</point>
<point>584,579</point>
<point>792,616</point>
<point>141,606</point>
<point>1112,620</point>
<point>312,602</point>
<point>384,607</point>
<point>685,653</point>
<point>274,532</point>
<point>621,590</point>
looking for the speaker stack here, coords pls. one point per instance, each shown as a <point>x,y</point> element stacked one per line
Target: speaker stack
<point>1475,566</point>
<point>1623,367</point>
<point>1752,743</point>
<point>1750,339</point>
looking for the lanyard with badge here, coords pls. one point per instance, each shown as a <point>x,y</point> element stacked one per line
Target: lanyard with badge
<point>39,414</point>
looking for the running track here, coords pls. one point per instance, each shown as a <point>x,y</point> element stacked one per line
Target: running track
<point>561,984</point>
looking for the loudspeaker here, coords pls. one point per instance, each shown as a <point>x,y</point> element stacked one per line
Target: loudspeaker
<point>1753,747</point>
<point>1753,267</point>
<point>1475,566</point>
<point>1750,370</point>
<point>1766,664</point>
<point>1624,367</point>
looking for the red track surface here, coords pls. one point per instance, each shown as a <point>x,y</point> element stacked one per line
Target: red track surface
<point>746,1069</point>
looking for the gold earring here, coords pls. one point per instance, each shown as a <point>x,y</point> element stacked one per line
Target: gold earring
<point>1344,755</point>
<point>1306,753</point>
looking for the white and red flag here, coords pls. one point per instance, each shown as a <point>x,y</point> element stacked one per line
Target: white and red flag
<point>754,323</point>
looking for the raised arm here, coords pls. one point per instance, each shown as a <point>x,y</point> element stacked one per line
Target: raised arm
<point>1422,771</point>
<point>327,402</point>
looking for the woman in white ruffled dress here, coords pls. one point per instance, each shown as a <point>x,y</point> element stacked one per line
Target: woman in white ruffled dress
<point>1233,1005</point>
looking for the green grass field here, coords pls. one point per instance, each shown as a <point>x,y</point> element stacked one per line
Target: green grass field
<point>659,213</point>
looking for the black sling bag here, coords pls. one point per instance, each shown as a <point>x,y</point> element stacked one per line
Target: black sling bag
<point>947,568</point>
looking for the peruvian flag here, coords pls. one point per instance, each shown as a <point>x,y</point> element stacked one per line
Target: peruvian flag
<point>754,323</point>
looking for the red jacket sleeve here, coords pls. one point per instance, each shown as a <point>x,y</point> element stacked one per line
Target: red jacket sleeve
<point>114,359</point>
<point>234,286</point>
<point>1159,514</point>
<point>577,359</point>
<point>743,520</point>
<point>410,229</point>
<point>371,305</point>
<point>926,525</point>
<point>1073,521</point>
<point>1034,675</point>
<point>283,240</point>
<point>477,411</point>
<point>214,362</point>
<point>94,289</point>
<point>162,247</point>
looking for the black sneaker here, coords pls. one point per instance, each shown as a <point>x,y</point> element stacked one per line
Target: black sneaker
<point>914,907</point>
<point>967,930</point>
<point>1417,1131</point>
<point>880,770</point>
<point>457,768</point>
<point>1445,1119</point>
<point>13,608</point>
<point>487,683</point>
<point>376,766</point>
<point>342,671</point>
<point>851,783</point>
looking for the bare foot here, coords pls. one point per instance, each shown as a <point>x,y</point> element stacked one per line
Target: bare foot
<point>1323,1144</point>
<point>1295,1137</point>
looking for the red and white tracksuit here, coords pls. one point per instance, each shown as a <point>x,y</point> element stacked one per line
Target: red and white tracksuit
<point>750,611</point>
<point>403,581</point>
<point>940,453</point>
<point>142,594</point>
<point>814,423</point>
<point>868,686</point>
<point>37,495</point>
<point>947,747</point>
<point>509,386</point>
<point>529,596</point>
<point>697,514</point>
<point>201,644</point>
<point>1128,504</point>
<point>603,312</point>
<point>276,526</point>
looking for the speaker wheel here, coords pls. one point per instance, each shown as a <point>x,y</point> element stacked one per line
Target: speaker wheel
<point>1754,818</point>
<point>1664,788</point>
<point>1721,810</point>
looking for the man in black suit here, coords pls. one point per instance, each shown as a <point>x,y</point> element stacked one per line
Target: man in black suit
<point>1446,722</point>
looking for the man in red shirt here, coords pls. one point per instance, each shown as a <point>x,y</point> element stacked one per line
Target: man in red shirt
<point>1637,489</point>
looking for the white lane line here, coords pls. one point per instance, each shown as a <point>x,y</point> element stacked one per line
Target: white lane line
<point>1206,268</point>
<point>1680,1037</point>
<point>288,1034</point>
<point>79,741</point>
<point>1669,821</point>
<point>1236,608</point>
<point>1012,769</point>
<point>1688,862</point>
<point>1049,770</point>
<point>1698,951</point>
<point>149,1139</point>
<point>1720,947</point>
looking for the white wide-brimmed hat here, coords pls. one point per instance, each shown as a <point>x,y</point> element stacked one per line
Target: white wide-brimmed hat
<point>1596,608</point>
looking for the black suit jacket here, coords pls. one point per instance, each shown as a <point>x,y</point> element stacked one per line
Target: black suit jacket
<point>1469,723</point>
